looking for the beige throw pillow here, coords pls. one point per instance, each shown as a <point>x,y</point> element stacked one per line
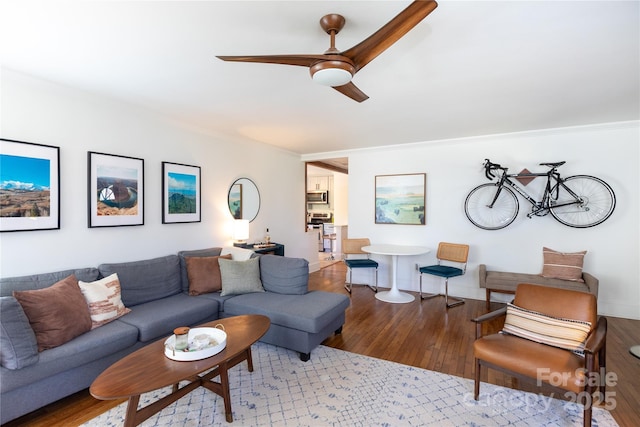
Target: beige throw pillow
<point>104,299</point>
<point>561,265</point>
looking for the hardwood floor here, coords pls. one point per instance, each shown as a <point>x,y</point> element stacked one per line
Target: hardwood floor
<point>422,334</point>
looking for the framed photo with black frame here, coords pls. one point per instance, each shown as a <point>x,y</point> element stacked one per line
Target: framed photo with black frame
<point>401,199</point>
<point>29,186</point>
<point>116,190</point>
<point>181,193</point>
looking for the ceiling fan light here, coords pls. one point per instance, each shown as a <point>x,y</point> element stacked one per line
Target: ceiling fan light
<point>332,77</point>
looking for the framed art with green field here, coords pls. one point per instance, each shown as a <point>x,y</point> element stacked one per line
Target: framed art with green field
<point>401,199</point>
<point>181,189</point>
<point>29,186</point>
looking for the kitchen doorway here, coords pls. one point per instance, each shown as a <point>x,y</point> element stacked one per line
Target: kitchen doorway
<point>326,203</point>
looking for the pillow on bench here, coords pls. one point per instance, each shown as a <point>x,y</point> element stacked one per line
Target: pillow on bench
<point>563,265</point>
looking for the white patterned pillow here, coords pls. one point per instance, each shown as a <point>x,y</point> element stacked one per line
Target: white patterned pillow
<point>563,265</point>
<point>104,299</point>
<point>563,333</point>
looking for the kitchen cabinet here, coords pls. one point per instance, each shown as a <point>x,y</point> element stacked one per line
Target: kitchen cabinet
<point>318,182</point>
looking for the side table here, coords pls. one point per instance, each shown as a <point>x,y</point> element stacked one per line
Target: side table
<point>272,249</point>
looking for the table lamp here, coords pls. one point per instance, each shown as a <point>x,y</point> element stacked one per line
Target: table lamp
<point>241,230</point>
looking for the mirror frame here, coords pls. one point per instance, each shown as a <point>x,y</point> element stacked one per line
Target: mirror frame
<point>243,192</point>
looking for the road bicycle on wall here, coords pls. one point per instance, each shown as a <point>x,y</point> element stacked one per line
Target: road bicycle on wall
<point>579,201</point>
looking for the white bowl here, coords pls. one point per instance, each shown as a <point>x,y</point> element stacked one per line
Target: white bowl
<point>218,341</point>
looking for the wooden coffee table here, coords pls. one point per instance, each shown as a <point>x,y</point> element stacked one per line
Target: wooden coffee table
<point>149,369</point>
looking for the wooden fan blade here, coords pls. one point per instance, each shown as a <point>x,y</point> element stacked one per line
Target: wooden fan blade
<point>352,92</point>
<point>364,52</point>
<point>301,60</point>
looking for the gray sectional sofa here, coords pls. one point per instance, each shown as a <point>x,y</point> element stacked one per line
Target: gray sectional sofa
<point>157,292</point>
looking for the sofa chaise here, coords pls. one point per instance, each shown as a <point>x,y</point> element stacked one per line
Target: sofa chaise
<point>157,293</point>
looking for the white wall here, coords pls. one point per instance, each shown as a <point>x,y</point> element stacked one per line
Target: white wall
<point>341,198</point>
<point>37,111</point>
<point>453,168</point>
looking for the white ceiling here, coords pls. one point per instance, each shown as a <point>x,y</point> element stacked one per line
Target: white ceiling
<point>470,68</point>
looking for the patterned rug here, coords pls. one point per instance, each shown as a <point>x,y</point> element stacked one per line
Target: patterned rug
<point>338,388</point>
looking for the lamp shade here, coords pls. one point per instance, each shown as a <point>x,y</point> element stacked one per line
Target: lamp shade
<point>241,230</point>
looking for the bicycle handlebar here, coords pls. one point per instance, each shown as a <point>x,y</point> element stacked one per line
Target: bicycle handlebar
<point>489,166</point>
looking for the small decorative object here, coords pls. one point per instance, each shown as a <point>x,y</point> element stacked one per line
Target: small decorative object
<point>401,199</point>
<point>116,190</point>
<point>201,343</point>
<point>29,186</point>
<point>180,193</point>
<point>182,338</point>
<point>267,237</point>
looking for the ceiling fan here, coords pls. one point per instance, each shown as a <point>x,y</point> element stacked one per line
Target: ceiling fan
<point>335,68</point>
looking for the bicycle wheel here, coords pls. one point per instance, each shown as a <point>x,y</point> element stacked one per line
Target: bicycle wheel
<point>595,203</point>
<point>504,210</point>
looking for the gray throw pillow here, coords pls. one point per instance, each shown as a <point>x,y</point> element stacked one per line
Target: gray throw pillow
<point>284,275</point>
<point>18,345</point>
<point>240,277</point>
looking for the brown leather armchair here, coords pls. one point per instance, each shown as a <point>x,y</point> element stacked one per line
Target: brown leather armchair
<point>560,368</point>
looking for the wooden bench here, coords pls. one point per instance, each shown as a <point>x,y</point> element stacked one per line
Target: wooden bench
<point>506,283</point>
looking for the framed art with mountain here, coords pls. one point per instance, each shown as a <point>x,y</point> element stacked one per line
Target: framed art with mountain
<point>29,186</point>
<point>180,193</point>
<point>116,190</point>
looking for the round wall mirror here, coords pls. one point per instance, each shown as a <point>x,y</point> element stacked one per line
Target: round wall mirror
<point>244,199</point>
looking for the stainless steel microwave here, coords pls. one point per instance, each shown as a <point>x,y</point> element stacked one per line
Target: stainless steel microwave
<point>318,196</point>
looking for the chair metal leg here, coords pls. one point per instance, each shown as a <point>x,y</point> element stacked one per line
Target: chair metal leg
<point>426,296</point>
<point>456,301</point>
<point>348,286</point>
<point>476,385</point>
<point>374,288</point>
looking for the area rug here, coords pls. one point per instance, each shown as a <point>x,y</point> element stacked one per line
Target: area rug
<point>338,388</point>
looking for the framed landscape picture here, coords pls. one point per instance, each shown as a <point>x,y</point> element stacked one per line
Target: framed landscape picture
<point>235,200</point>
<point>180,193</point>
<point>29,186</point>
<point>401,199</point>
<point>116,190</point>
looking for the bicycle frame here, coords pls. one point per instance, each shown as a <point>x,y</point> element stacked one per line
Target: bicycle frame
<point>542,205</point>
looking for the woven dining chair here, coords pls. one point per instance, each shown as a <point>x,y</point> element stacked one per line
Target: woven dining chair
<point>354,257</point>
<point>450,253</point>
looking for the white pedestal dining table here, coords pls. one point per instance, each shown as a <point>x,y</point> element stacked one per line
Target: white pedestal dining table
<point>394,295</point>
